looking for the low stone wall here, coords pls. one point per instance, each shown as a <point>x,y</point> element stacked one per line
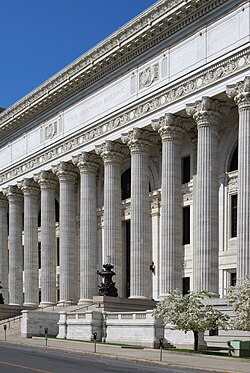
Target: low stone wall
<point>134,328</point>
<point>33,323</point>
<point>80,325</point>
<point>180,339</point>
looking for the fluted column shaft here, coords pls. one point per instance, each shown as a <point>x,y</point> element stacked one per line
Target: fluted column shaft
<point>207,114</point>
<point>48,182</point>
<point>112,156</point>
<point>15,198</point>
<point>66,173</point>
<point>31,280</point>
<point>88,165</point>
<point>241,94</point>
<point>139,144</point>
<point>171,131</point>
<point>4,255</point>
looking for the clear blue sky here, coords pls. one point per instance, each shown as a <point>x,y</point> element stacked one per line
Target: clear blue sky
<point>40,37</point>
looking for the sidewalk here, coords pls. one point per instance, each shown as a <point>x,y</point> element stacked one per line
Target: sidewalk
<point>148,356</point>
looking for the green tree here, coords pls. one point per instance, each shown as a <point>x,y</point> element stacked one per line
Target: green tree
<point>239,297</point>
<point>189,313</point>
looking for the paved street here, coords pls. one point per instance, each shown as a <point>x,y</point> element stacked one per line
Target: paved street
<point>119,359</point>
<point>18,359</point>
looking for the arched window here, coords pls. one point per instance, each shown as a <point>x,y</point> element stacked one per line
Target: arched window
<point>234,160</point>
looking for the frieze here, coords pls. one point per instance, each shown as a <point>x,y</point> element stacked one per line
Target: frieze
<point>188,86</point>
<point>116,44</point>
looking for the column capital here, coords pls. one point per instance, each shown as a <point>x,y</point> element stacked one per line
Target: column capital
<point>86,162</point>
<point>13,193</point>
<point>170,127</point>
<point>111,152</point>
<point>207,111</point>
<point>138,140</point>
<point>240,92</point>
<point>3,200</point>
<point>28,186</point>
<point>46,180</point>
<point>65,171</point>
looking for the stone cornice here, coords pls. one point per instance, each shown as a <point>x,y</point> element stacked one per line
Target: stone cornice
<point>215,73</point>
<point>154,25</point>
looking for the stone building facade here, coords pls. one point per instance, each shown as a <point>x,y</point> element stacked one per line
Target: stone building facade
<point>137,153</point>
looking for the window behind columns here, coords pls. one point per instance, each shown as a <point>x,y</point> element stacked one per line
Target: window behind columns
<point>126,184</point>
<point>185,169</point>
<point>57,251</point>
<point>234,161</point>
<point>233,215</point>
<point>233,278</point>
<point>39,255</point>
<point>186,225</point>
<point>57,211</point>
<point>185,285</point>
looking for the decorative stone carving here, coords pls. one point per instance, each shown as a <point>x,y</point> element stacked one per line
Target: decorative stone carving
<point>65,171</point>
<point>111,152</point>
<point>207,111</point>
<point>171,127</point>
<point>28,186</point>
<point>46,179</point>
<point>86,162</point>
<point>139,140</point>
<point>184,88</point>
<point>240,92</point>
<point>148,76</point>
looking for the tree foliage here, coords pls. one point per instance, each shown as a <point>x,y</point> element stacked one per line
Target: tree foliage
<point>239,297</point>
<point>188,313</point>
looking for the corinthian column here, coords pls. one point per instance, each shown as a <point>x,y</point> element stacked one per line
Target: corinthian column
<point>4,255</point>
<point>31,280</point>
<point>241,94</point>
<point>88,165</point>
<point>15,198</point>
<point>139,143</point>
<point>48,181</point>
<point>207,114</point>
<point>67,174</point>
<point>112,156</point>
<point>171,131</point>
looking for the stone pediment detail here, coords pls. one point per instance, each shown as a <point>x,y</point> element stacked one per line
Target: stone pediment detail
<point>155,24</point>
<point>194,83</point>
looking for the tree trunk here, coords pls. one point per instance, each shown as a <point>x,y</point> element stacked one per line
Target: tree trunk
<point>196,339</point>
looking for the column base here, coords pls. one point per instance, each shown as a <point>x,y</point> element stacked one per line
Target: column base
<point>139,297</point>
<point>47,304</point>
<point>85,302</point>
<point>30,304</point>
<point>63,303</point>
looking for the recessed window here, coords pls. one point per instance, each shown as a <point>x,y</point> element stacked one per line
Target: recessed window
<point>232,278</point>
<point>126,184</point>
<point>234,161</point>
<point>186,225</point>
<point>234,215</point>
<point>39,255</point>
<point>185,285</point>
<point>185,170</point>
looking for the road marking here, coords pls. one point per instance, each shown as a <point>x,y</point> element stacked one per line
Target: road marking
<point>24,367</point>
